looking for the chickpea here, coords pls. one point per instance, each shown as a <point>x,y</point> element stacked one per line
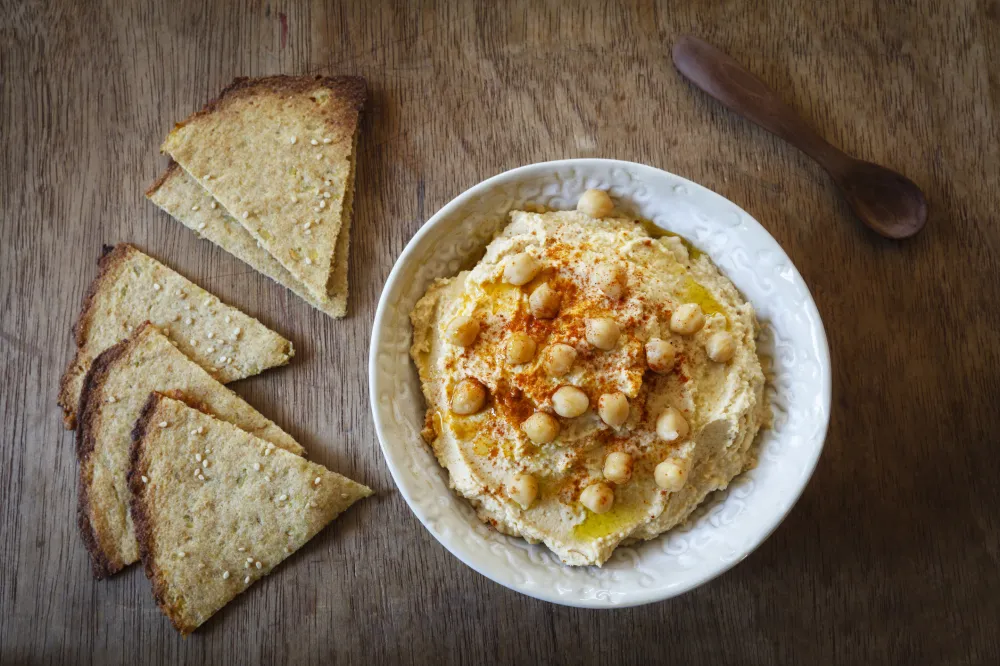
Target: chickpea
<point>609,280</point>
<point>660,355</point>
<point>618,467</point>
<point>595,203</point>
<point>541,428</point>
<point>521,269</point>
<point>598,497</point>
<point>670,475</point>
<point>559,360</point>
<point>468,398</point>
<point>463,331</point>
<point>520,348</point>
<point>524,490</point>
<point>602,333</point>
<point>687,319</point>
<point>570,402</point>
<point>544,302</point>
<point>720,347</point>
<point>671,426</point>
<point>613,408</point>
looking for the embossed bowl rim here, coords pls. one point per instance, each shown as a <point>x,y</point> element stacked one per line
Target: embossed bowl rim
<point>546,169</point>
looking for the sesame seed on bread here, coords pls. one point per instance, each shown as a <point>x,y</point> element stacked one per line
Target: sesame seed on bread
<point>278,154</point>
<point>180,195</point>
<point>116,388</point>
<point>204,542</point>
<point>131,288</point>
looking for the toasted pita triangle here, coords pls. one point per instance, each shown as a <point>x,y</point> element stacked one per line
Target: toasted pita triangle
<point>114,393</point>
<point>277,153</point>
<point>131,288</point>
<point>204,542</point>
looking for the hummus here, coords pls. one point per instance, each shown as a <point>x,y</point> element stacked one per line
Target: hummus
<point>679,425</point>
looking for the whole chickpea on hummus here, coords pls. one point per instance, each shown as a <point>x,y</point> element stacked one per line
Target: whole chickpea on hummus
<point>587,383</point>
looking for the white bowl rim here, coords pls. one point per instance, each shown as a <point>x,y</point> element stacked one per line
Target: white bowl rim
<point>476,190</point>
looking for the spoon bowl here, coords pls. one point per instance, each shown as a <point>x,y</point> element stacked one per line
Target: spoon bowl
<point>887,201</point>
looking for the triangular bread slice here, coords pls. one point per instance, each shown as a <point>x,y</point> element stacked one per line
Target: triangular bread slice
<point>180,195</point>
<point>278,154</point>
<point>132,287</point>
<point>204,542</point>
<point>114,393</point>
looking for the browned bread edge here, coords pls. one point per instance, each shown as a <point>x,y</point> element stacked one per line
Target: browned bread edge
<point>111,256</point>
<point>101,563</point>
<point>172,166</point>
<point>140,514</point>
<point>352,89</point>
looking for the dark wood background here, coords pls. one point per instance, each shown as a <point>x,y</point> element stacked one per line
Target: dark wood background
<point>893,553</point>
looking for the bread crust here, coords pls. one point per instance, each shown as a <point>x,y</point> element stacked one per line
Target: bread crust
<point>112,257</point>
<point>172,167</point>
<point>352,90</point>
<point>140,514</point>
<point>101,564</point>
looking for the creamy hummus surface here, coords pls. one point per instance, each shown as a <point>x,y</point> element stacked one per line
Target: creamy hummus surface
<point>588,382</point>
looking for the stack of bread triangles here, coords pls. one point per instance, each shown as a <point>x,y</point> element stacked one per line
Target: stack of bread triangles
<point>266,171</point>
<point>174,468</point>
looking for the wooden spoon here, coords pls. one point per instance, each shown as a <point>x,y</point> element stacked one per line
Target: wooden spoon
<point>888,202</point>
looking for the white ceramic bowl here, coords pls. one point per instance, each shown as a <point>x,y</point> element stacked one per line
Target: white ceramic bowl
<point>730,524</point>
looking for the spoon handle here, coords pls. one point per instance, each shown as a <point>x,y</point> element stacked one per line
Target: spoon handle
<point>727,81</point>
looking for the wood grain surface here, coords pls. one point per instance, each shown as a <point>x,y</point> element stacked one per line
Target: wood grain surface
<point>892,555</point>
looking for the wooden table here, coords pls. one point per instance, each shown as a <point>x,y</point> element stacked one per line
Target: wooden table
<point>893,552</point>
